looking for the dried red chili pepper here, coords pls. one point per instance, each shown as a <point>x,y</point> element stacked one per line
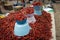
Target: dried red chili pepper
<point>37,3</point>
<point>41,29</point>
<point>28,10</point>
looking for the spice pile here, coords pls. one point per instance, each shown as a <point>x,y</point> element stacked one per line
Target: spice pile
<point>28,10</point>
<point>37,3</point>
<point>41,29</point>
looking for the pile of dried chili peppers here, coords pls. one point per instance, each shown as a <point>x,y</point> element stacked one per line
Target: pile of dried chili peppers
<point>41,29</point>
<point>37,3</point>
<point>27,10</point>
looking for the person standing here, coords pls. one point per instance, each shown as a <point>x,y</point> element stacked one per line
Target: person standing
<point>23,2</point>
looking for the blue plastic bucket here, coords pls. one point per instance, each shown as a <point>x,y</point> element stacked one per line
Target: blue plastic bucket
<point>21,29</point>
<point>37,10</point>
<point>21,22</point>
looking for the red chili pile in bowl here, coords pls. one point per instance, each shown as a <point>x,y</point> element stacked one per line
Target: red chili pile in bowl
<point>41,29</point>
<point>20,16</point>
<point>37,4</point>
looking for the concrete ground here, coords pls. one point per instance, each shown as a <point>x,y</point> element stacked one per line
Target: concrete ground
<point>57,20</point>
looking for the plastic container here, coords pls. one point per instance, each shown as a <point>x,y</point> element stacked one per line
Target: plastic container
<point>21,28</point>
<point>21,22</point>
<point>31,2</point>
<point>31,18</point>
<point>38,10</point>
<point>4,15</point>
<point>17,7</point>
<point>8,7</point>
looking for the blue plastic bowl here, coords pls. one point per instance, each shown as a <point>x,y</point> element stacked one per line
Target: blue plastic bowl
<point>36,7</point>
<point>21,22</point>
<point>37,10</point>
<point>22,30</point>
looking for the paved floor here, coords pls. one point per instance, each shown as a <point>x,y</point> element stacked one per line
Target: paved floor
<point>57,20</point>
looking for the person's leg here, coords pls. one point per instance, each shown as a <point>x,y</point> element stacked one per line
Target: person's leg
<point>0,11</point>
<point>53,1</point>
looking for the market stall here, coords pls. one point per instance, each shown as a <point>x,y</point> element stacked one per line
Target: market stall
<point>29,23</point>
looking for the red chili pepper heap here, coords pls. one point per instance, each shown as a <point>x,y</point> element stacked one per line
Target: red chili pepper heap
<point>41,29</point>
<point>20,16</point>
<point>28,10</point>
<point>37,4</point>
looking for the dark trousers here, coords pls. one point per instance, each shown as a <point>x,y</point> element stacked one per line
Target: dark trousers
<point>53,1</point>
